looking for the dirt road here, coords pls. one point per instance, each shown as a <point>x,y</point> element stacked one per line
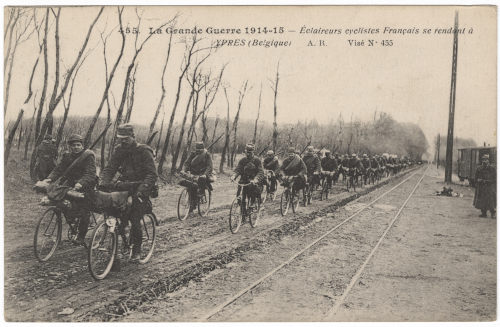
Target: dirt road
<point>198,263</point>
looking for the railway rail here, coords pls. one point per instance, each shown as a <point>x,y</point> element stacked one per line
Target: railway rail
<point>331,313</point>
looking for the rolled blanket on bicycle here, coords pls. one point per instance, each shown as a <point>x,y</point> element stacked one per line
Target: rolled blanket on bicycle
<point>41,187</point>
<point>57,192</point>
<point>188,184</point>
<point>111,202</point>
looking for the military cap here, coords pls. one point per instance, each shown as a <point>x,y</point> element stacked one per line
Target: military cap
<point>310,148</point>
<point>327,151</point>
<point>270,152</point>
<point>125,130</point>
<point>200,146</point>
<point>291,149</point>
<point>365,155</point>
<point>47,137</point>
<point>75,138</point>
<point>486,156</point>
<point>250,147</point>
<point>354,155</point>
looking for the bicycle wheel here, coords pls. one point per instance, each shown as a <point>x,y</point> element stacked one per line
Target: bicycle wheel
<point>148,226</point>
<point>265,192</point>
<point>349,181</point>
<point>310,193</point>
<point>183,205</point>
<point>204,203</point>
<point>372,177</point>
<point>323,189</point>
<point>47,234</point>
<point>102,250</point>
<point>254,214</point>
<point>285,201</point>
<point>95,218</point>
<point>353,184</point>
<point>235,216</point>
<point>295,200</point>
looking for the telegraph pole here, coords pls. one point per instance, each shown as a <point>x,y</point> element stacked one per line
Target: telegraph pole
<point>438,148</point>
<point>451,119</point>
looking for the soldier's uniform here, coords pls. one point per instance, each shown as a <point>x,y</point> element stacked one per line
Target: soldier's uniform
<point>199,162</point>
<point>83,173</point>
<point>485,197</point>
<point>355,164</point>
<point>250,169</point>
<point>136,163</point>
<point>294,166</point>
<point>272,164</point>
<point>329,164</point>
<point>46,156</point>
<point>313,165</point>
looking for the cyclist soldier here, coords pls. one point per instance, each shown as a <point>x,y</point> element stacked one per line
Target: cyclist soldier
<point>46,156</point>
<point>366,165</point>
<point>329,164</point>
<point>136,164</point>
<point>199,163</point>
<point>313,165</point>
<point>82,177</point>
<point>374,164</point>
<point>355,165</point>
<point>251,171</point>
<point>294,166</point>
<point>272,164</point>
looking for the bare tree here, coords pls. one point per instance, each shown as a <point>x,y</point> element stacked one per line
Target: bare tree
<point>57,96</point>
<point>226,143</point>
<point>138,50</point>
<point>274,87</point>
<point>242,93</point>
<point>190,51</point>
<point>163,91</point>
<point>11,137</point>
<point>159,136</point>
<point>109,78</point>
<point>45,78</point>
<point>131,96</point>
<point>24,23</point>
<point>257,119</point>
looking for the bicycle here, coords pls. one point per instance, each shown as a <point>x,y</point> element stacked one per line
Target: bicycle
<point>266,189</point>
<point>290,195</point>
<point>48,231</point>
<point>309,189</point>
<point>241,208</point>
<point>104,242</point>
<point>203,201</point>
<point>351,181</point>
<point>328,178</point>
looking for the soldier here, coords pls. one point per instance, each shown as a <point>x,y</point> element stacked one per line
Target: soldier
<point>355,166</point>
<point>365,162</point>
<point>313,165</point>
<point>271,164</point>
<point>199,163</point>
<point>294,166</point>
<point>485,197</point>
<point>46,156</point>
<point>82,177</point>
<point>374,165</point>
<point>329,164</point>
<point>136,164</point>
<point>251,171</point>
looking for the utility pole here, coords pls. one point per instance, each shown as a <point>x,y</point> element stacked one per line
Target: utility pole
<point>451,119</point>
<point>438,146</point>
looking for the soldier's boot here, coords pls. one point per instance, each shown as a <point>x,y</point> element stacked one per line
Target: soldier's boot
<point>483,214</point>
<point>82,230</point>
<point>136,253</point>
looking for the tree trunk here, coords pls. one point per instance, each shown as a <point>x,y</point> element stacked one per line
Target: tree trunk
<point>257,119</point>
<point>20,137</point>
<point>275,125</point>
<point>45,79</point>
<point>163,92</point>
<point>88,137</point>
<point>11,137</point>
<point>181,135</point>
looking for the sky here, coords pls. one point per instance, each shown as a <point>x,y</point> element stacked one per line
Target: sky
<point>409,79</point>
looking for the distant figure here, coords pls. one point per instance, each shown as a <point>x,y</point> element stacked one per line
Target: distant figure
<point>46,156</point>
<point>486,194</point>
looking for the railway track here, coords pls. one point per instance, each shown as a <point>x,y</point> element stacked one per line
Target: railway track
<point>189,251</point>
<point>219,309</point>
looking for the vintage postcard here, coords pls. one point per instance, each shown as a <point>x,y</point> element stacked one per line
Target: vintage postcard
<point>250,163</point>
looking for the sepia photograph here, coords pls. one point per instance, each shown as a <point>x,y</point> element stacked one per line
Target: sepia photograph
<point>250,163</point>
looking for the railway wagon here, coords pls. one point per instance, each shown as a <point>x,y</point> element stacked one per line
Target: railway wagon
<point>470,158</point>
